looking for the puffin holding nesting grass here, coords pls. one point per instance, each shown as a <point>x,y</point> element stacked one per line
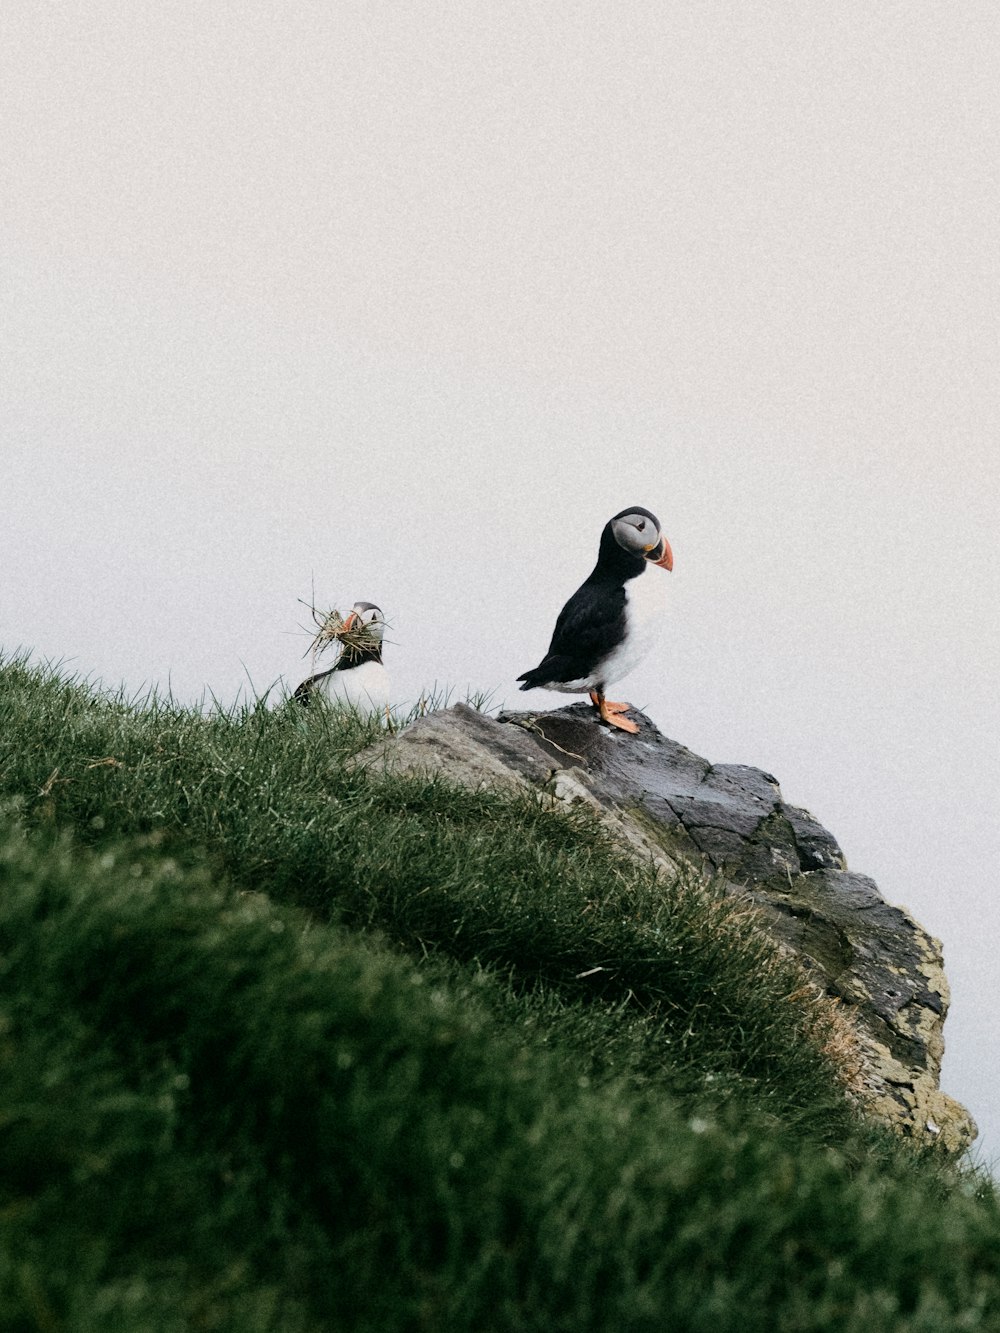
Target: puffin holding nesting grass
<point>357,678</point>
<point>609,624</point>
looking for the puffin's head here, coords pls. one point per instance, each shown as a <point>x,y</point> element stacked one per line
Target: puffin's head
<point>638,532</point>
<point>366,618</point>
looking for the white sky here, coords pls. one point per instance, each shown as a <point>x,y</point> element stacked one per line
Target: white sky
<point>407,299</point>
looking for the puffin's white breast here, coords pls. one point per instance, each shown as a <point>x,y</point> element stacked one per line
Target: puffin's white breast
<point>365,687</point>
<point>645,601</point>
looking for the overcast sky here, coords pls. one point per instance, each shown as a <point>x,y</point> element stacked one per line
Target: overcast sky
<point>402,301</point>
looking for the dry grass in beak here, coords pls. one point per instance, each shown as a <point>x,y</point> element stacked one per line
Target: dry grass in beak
<point>350,630</point>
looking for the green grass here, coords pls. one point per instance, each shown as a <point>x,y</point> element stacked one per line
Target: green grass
<point>286,1047</point>
<point>491,881</point>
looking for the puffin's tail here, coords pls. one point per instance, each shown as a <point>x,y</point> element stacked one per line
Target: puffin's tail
<point>548,670</point>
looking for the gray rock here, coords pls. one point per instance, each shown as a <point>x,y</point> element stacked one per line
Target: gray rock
<point>667,805</point>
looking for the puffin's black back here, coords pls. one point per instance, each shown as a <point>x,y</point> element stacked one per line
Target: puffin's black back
<point>592,622</point>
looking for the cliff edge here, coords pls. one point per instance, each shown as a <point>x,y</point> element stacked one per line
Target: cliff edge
<point>667,805</point>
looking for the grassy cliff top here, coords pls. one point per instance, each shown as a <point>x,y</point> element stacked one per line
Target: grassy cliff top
<point>287,1046</point>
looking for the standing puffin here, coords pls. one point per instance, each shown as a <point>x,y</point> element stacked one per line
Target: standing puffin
<point>358,677</point>
<point>609,624</point>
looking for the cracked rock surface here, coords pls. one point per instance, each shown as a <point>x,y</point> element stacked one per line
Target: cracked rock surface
<point>667,805</point>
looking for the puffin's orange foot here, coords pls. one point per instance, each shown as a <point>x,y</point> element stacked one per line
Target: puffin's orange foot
<point>611,713</point>
<point>605,706</point>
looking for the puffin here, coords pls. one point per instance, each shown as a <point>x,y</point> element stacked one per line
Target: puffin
<point>357,678</point>
<point>609,624</point>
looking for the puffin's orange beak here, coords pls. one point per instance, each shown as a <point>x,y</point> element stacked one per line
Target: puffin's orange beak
<point>666,560</point>
<point>351,618</point>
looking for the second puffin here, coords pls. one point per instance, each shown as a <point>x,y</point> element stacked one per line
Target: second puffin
<point>357,678</point>
<point>609,624</point>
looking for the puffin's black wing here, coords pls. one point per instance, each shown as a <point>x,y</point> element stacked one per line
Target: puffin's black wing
<point>589,626</point>
<point>303,692</point>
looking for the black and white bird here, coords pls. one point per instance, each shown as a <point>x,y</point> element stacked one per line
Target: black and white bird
<point>610,623</point>
<point>357,678</point>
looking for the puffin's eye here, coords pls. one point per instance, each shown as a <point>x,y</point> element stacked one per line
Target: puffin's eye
<point>642,526</point>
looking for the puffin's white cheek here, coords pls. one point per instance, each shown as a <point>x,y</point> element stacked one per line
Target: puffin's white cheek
<point>628,537</point>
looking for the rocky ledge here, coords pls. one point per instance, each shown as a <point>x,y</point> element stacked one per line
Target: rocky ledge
<point>668,805</point>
